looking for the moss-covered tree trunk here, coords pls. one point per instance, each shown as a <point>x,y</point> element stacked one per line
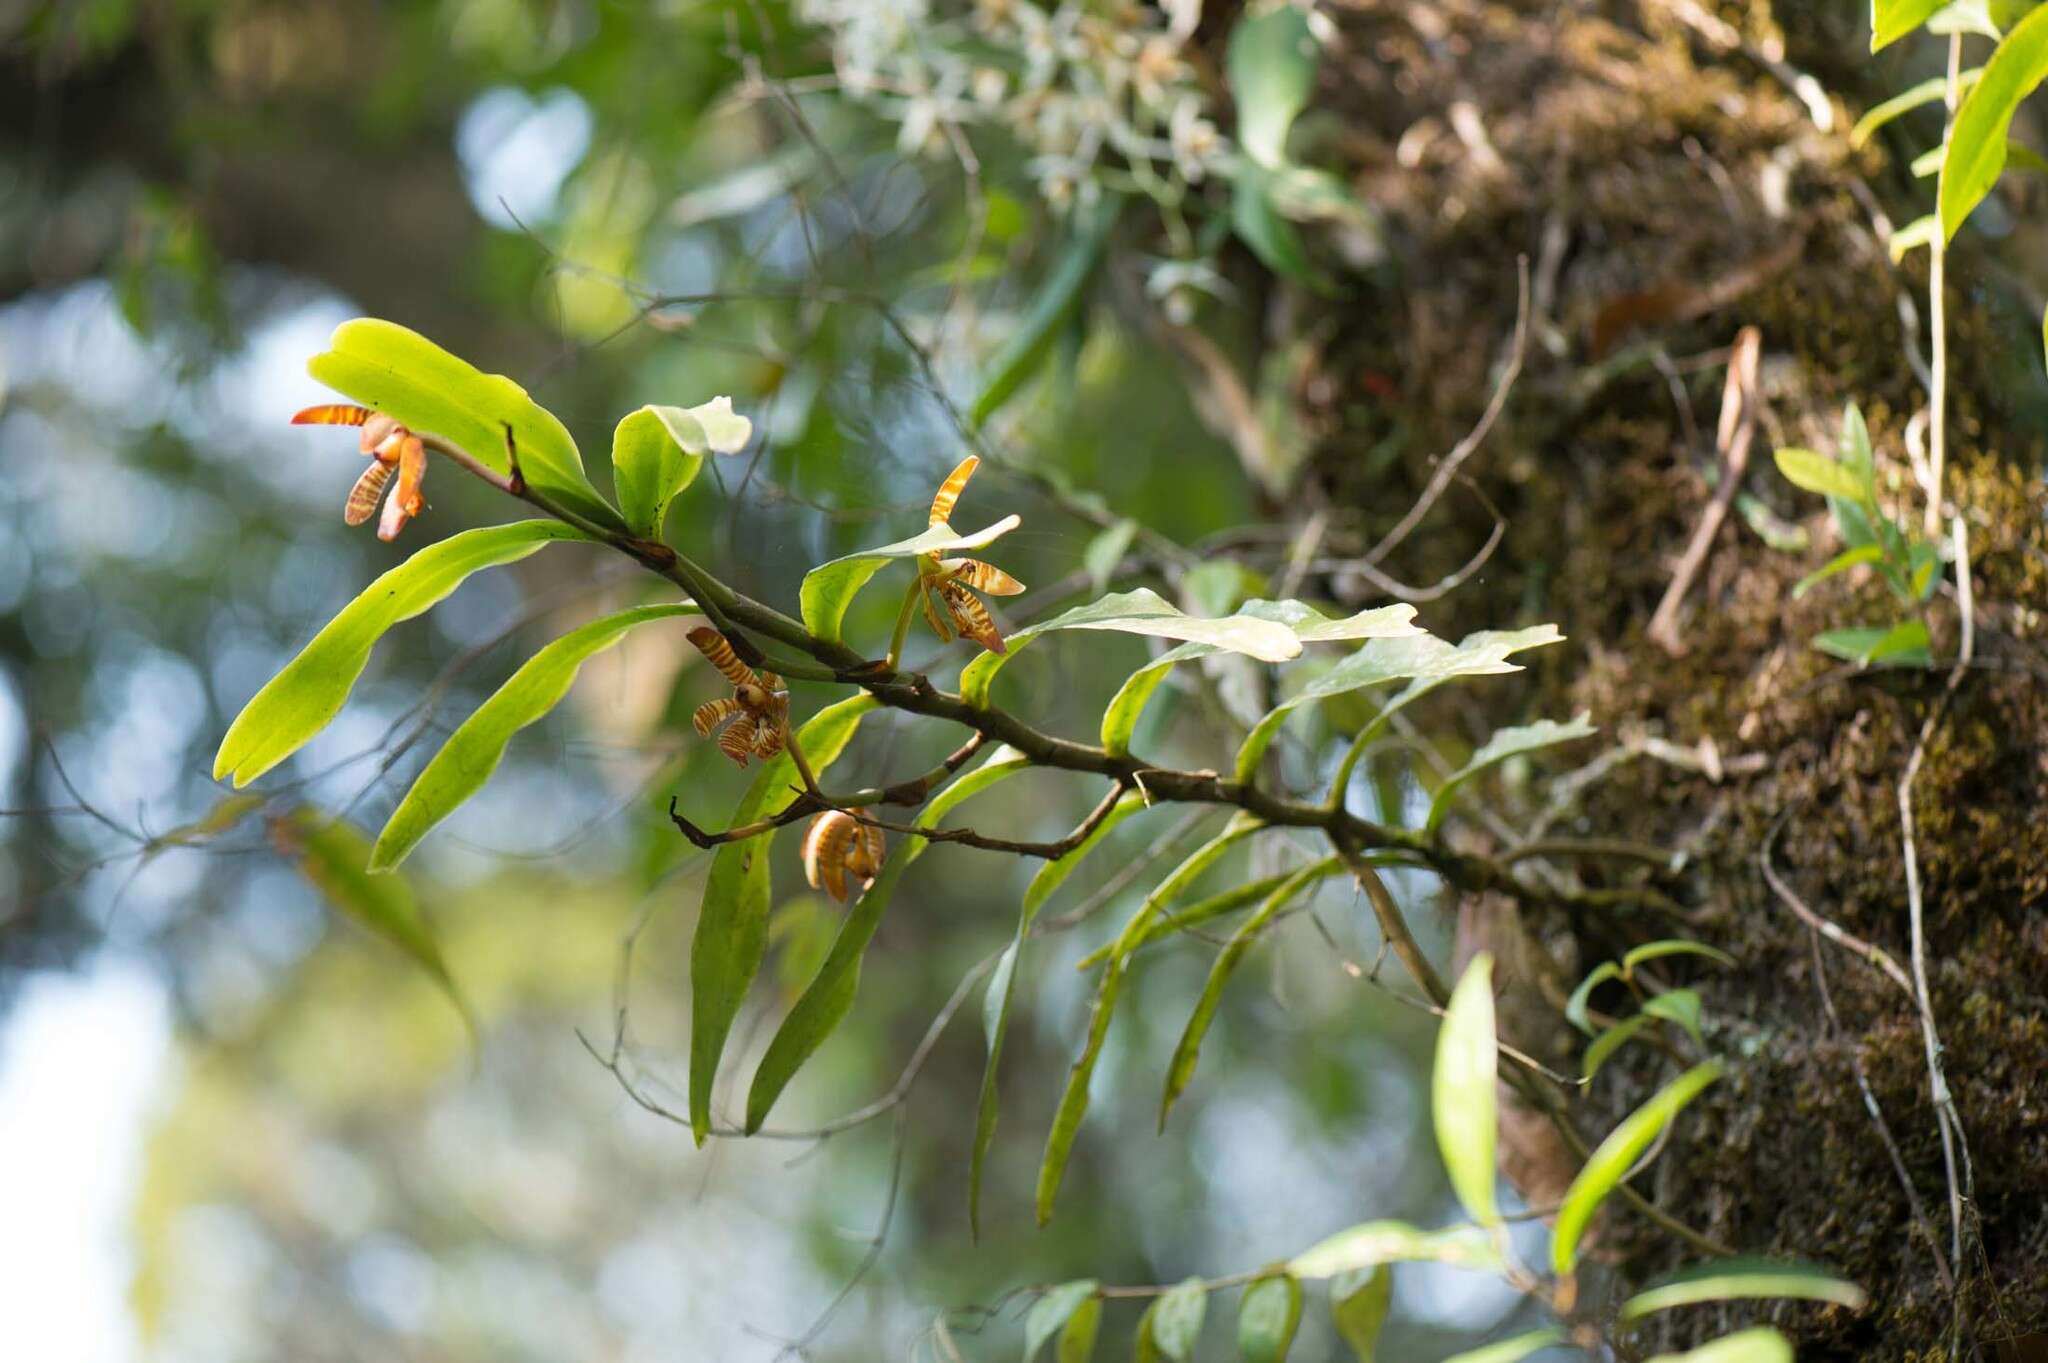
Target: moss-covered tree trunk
<point>1669,188</point>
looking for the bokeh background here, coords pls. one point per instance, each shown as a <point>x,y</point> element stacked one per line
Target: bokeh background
<point>233,1126</point>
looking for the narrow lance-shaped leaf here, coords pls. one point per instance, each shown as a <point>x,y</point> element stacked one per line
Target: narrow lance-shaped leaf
<point>829,588</point>
<point>1891,20</point>
<point>1359,1299</point>
<point>1077,1336</point>
<point>1575,1007</point>
<point>1506,743</point>
<point>1977,137</point>
<point>1056,301</point>
<point>1509,1350</point>
<point>1603,1046</point>
<point>826,1000</point>
<point>330,854</point>
<point>309,692</point>
<point>393,369</point>
<point>1610,1162</point>
<point>657,452</point>
<point>1461,1090</point>
<point>1170,921</point>
<point>1840,563</point>
<point>1761,1345</point>
<point>1740,1280</point>
<point>1272,69</point>
<point>1049,878</point>
<point>1815,472</point>
<point>1393,1242</point>
<point>1929,91</point>
<point>1188,1051</point>
<point>1051,1311</point>
<point>1177,1318</point>
<point>732,926</point>
<point>474,750</point>
<point>1267,1318</point>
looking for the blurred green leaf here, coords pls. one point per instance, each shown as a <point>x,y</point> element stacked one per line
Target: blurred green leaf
<point>1815,472</point>
<point>1603,1046</point>
<point>830,588</point>
<point>1509,1350</point>
<point>1104,552</point>
<point>1840,563</point>
<point>466,761</point>
<point>1917,233</point>
<point>1681,1006</point>
<point>331,854</point>
<point>302,698</point>
<point>1506,743</point>
<point>226,814</point>
<point>1393,1242</point>
<point>1271,64</point>
<point>1761,1345</point>
<point>394,369</point>
<point>1904,644</point>
<point>1188,1051</point>
<point>1461,1090</point>
<point>1359,1299</point>
<point>1891,20</point>
<point>1744,1279</point>
<point>1929,91</point>
<point>1177,1318</point>
<point>1260,225</point>
<point>1056,301</point>
<point>1267,1318</point>
<point>1077,1337</point>
<point>732,925</point>
<point>657,452</point>
<point>1051,1311</point>
<point>1672,946</point>
<point>1575,1006</point>
<point>1977,137</point>
<point>1608,1163</point>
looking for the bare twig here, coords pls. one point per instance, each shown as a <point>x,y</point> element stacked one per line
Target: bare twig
<point>1732,439</point>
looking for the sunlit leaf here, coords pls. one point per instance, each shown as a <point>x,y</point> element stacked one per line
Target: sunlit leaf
<point>1055,303</point>
<point>1604,1169</point>
<point>1272,68</point>
<point>301,699</point>
<point>1904,644</point>
<point>1891,20</point>
<point>1915,234</point>
<point>1461,1090</point>
<point>1743,1279</point>
<point>1051,1311</point>
<point>1977,137</point>
<point>1177,1318</point>
<point>1761,1345</point>
<point>1359,1299</point>
<point>1681,1006</point>
<point>1077,1337</point>
<point>1815,472</point>
<point>1840,563</point>
<point>1506,743</point>
<point>657,451</point>
<point>827,999</point>
<point>466,761</point>
<point>1188,1051</point>
<point>732,926</point>
<point>1170,921</point>
<point>1394,1242</point>
<point>1145,612</point>
<point>331,854</point>
<point>393,369</point>
<point>1267,1318</point>
<point>1603,1046</point>
<point>1049,878</point>
<point>830,588</point>
<point>1929,91</point>
<point>1509,1350</point>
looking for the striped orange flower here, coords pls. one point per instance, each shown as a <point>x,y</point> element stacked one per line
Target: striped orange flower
<point>391,449</point>
<point>755,716</point>
<point>947,586</point>
<point>838,850</point>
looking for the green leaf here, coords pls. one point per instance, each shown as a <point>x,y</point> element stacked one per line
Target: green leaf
<point>330,854</point>
<point>1977,137</point>
<point>1575,1006</point>
<point>1509,1350</point>
<point>1267,1318</point>
<point>1917,233</point>
<point>1424,661</point>
<point>732,925</point>
<point>1672,946</point>
<point>997,1016</point>
<point>1104,552</point>
<point>474,750</point>
<point>1681,1006</point>
<point>393,369</point>
<point>301,699</point>
<point>1272,68</point>
<point>1145,1349</point>
<point>829,588</point>
<point>828,998</point>
<point>1608,1042</point>
<point>1051,1311</point>
<point>1394,1242</point>
<point>1168,922</point>
<point>1359,1299</point>
<point>1929,91</point>
<point>225,814</point>
<point>1145,612</point>
<point>1904,644</point>
<point>1058,296</point>
<point>1761,1345</point>
<point>1240,827</point>
<point>1891,20</point>
<point>1461,1090</point>
<point>1815,472</point>
<point>657,451</point>
<point>1260,225</point>
<point>1188,1051</point>
<point>1740,1280</point>
<point>1927,163</point>
<point>1177,1318</point>
<point>1840,563</point>
<point>1077,1339</point>
<point>1607,1165</point>
<point>1504,744</point>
